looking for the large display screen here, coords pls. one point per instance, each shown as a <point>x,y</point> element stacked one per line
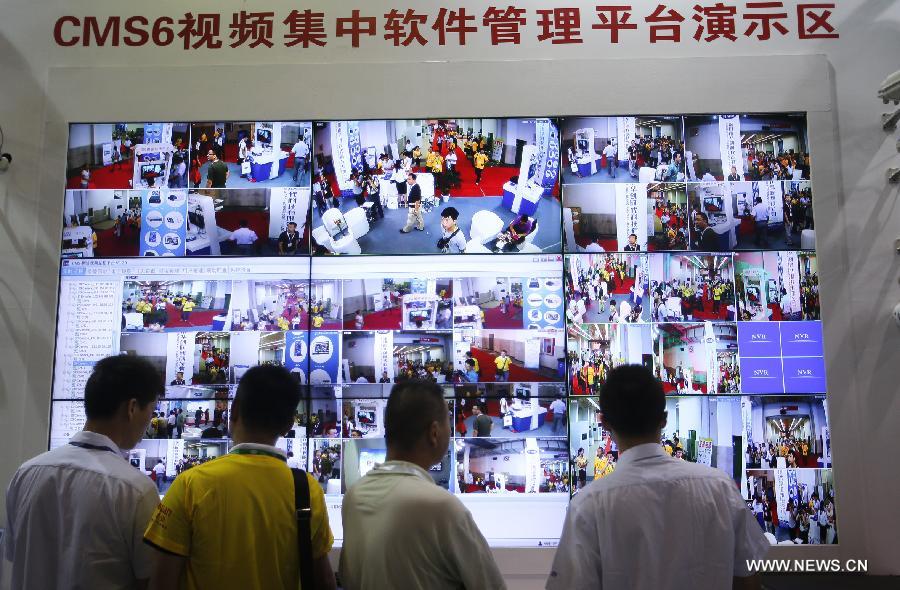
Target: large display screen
<point>513,261</point>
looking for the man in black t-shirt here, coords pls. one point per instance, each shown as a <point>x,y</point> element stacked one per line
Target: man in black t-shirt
<point>217,174</point>
<point>289,240</point>
<point>482,424</point>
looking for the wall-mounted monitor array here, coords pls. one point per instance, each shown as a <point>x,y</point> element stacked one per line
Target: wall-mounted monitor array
<point>513,261</point>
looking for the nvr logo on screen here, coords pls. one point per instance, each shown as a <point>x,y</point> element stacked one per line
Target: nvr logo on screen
<point>759,337</point>
<point>761,373</point>
<point>804,372</point>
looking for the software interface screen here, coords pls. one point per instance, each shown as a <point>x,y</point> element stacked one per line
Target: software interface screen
<point>514,262</point>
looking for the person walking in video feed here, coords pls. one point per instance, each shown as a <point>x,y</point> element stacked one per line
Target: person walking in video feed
<point>502,363</point>
<point>414,199</point>
<point>481,423</point>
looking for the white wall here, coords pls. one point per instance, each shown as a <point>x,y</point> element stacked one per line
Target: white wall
<point>145,344</point>
<point>704,145</point>
<point>592,198</point>
<point>856,205</point>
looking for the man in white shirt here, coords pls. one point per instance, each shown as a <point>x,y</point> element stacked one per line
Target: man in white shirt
<point>761,219</point>
<point>558,407</point>
<point>160,470</point>
<point>450,160</point>
<point>245,238</point>
<point>616,527</point>
<point>76,515</point>
<point>301,153</point>
<point>610,152</point>
<point>400,529</point>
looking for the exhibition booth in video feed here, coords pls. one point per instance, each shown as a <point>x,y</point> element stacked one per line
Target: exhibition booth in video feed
<point>498,176</point>
<point>536,255</point>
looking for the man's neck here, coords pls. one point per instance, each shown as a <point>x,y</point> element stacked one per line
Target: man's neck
<point>240,438</point>
<point>111,432</point>
<point>413,457</point>
<point>627,443</point>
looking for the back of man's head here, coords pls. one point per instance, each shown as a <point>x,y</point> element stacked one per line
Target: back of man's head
<point>411,409</point>
<point>633,402</point>
<point>117,379</point>
<point>266,400</point>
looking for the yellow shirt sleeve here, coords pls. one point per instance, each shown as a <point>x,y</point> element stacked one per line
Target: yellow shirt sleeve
<point>170,527</point>
<point>322,539</point>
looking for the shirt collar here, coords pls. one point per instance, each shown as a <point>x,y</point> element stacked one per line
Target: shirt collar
<point>96,439</point>
<point>637,454</point>
<point>260,447</point>
<point>401,468</point>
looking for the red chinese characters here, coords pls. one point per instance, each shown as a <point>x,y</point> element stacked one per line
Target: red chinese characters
<point>305,28</point>
<point>450,22</point>
<point>255,27</point>
<point>715,22</point>
<point>560,25</point>
<point>614,19</point>
<point>505,24</point>
<point>766,20</point>
<point>812,20</point>
<point>200,31</point>
<point>355,26</point>
<point>403,28</point>
<point>665,24</point>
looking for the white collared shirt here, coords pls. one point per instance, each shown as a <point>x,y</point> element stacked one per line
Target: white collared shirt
<point>76,518</point>
<point>401,530</point>
<point>656,523</point>
<point>244,236</point>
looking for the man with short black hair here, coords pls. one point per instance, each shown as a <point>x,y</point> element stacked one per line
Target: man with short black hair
<point>217,173</point>
<point>400,529</point>
<point>481,422</point>
<point>244,238</point>
<point>708,240</point>
<point>452,238</point>
<point>289,240</point>
<point>247,537</point>
<point>644,500</point>
<point>75,514</point>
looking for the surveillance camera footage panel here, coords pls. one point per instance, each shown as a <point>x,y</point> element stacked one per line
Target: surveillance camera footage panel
<point>681,243</point>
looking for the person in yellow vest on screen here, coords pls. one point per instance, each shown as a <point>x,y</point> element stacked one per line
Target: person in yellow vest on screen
<point>283,324</point>
<point>481,159</point>
<point>603,464</point>
<point>317,321</point>
<point>186,308</point>
<point>502,362</point>
<point>474,360</point>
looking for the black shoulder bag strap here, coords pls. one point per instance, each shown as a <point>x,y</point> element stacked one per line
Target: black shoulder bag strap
<point>304,530</point>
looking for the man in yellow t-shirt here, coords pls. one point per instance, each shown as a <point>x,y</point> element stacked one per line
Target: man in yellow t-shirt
<point>480,160</point>
<point>502,362</point>
<point>230,523</point>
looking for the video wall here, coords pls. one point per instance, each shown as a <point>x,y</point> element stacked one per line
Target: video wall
<point>514,262</point>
